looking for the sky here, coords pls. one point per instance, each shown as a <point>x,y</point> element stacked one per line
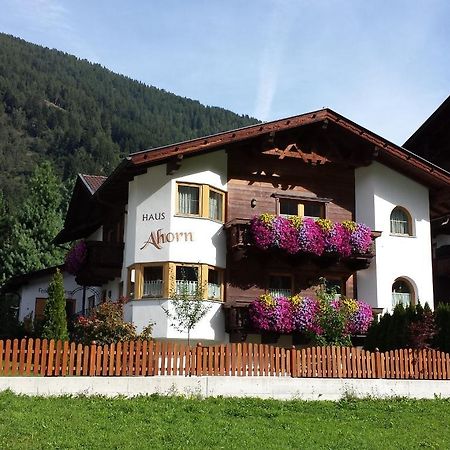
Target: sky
<point>382,64</point>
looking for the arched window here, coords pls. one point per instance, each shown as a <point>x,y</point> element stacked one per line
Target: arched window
<point>402,292</point>
<point>401,222</point>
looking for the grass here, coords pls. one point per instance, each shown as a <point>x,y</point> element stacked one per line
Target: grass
<point>179,423</point>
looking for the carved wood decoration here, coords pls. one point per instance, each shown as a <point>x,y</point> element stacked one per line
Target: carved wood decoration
<point>294,151</point>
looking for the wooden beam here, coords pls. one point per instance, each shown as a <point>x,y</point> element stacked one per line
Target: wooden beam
<point>174,164</point>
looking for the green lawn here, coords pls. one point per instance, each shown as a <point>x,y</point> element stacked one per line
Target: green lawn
<point>174,422</point>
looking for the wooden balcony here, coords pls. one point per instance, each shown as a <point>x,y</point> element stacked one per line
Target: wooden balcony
<point>240,246</point>
<point>103,263</point>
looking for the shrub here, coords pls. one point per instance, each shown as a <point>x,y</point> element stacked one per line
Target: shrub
<point>410,327</point>
<point>442,321</point>
<point>106,325</point>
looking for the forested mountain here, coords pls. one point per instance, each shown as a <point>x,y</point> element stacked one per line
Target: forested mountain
<point>83,117</point>
<point>59,116</point>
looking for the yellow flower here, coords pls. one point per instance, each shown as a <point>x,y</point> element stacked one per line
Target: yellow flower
<point>296,221</point>
<point>325,224</point>
<point>349,225</point>
<point>350,305</point>
<point>296,299</point>
<point>267,219</point>
<point>268,300</point>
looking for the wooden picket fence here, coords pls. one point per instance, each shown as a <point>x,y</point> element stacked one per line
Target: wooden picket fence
<point>148,358</point>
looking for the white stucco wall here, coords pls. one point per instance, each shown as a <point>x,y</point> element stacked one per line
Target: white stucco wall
<point>37,288</point>
<point>210,329</point>
<point>154,194</point>
<point>378,190</point>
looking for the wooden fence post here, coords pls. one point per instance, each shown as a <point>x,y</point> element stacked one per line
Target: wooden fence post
<point>92,358</point>
<point>294,368</point>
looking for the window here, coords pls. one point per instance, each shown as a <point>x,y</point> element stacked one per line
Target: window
<point>215,206</point>
<point>280,285</point>
<point>402,292</point>
<point>302,208</point>
<point>166,279</point>
<point>201,201</point>
<point>153,282</point>
<point>188,200</point>
<point>214,284</point>
<point>401,222</point>
<point>186,282</point>
<point>91,303</point>
<point>39,309</point>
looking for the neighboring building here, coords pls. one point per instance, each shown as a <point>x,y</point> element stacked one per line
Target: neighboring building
<point>32,289</point>
<point>181,213</point>
<point>432,141</point>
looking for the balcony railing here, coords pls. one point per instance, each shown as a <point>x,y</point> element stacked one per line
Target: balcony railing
<point>214,291</point>
<point>153,288</point>
<point>280,292</point>
<point>186,288</point>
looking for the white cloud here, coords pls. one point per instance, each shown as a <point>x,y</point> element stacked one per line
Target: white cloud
<point>278,30</point>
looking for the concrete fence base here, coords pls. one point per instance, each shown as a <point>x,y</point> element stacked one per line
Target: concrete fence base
<point>261,387</point>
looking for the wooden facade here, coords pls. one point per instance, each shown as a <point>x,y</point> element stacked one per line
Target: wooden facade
<point>290,166</point>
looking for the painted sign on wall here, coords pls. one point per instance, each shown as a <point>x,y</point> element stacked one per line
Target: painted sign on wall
<point>158,238</point>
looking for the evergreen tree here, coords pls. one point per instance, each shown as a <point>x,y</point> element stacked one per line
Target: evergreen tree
<point>55,318</point>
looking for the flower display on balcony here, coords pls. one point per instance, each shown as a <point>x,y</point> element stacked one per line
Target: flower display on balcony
<point>306,235</point>
<point>321,317</point>
<point>76,257</point>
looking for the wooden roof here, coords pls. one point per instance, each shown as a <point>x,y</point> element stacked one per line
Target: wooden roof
<point>432,138</point>
<point>113,191</point>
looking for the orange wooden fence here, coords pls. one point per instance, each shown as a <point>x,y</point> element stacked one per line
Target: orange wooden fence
<point>147,358</point>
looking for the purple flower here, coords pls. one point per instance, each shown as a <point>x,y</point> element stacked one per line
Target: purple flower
<point>305,316</point>
<point>262,233</point>
<point>361,239</point>
<point>286,235</point>
<point>311,237</point>
<point>337,240</point>
<point>76,257</point>
<point>360,320</point>
<point>284,320</point>
<point>262,313</point>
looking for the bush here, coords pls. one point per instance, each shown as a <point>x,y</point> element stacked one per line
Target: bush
<point>411,327</point>
<point>442,321</point>
<point>106,325</point>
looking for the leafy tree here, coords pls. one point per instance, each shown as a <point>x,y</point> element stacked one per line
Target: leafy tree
<point>188,308</point>
<point>28,235</point>
<point>55,318</point>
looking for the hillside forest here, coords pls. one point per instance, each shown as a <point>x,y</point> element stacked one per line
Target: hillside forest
<point>60,116</point>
